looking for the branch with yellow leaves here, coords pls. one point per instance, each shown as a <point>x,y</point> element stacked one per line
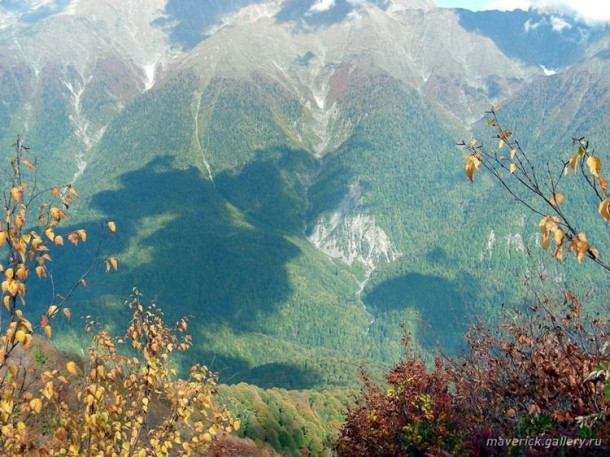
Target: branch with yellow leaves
<point>519,176</point>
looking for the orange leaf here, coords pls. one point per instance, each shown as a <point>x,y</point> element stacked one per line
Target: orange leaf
<point>574,161</point>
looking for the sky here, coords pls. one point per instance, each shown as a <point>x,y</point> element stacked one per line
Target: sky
<point>589,10</point>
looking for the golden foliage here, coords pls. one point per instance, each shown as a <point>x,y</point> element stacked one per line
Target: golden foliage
<point>118,404</point>
<point>557,222</point>
<point>473,162</point>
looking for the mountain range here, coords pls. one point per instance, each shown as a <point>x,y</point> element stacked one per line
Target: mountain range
<point>285,171</point>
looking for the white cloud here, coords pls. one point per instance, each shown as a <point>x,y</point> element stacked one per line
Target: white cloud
<point>321,5</point>
<point>591,11</point>
<point>559,24</point>
<point>530,25</point>
<point>34,5</point>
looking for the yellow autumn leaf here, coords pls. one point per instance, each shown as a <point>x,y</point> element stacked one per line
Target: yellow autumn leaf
<point>559,236</point>
<point>52,310</point>
<point>18,222</point>
<point>21,272</point>
<point>48,331</point>
<point>595,165</point>
<point>50,234</point>
<point>558,252</point>
<point>113,261</point>
<point>579,246</point>
<point>73,191</point>
<point>36,405</point>
<point>40,271</point>
<point>513,153</point>
<point>472,163</point>
<point>557,199</point>
<point>604,209</point>
<point>55,213</point>
<point>111,226</point>
<point>27,342</point>
<point>20,335</point>
<point>548,225</point>
<point>72,368</point>
<point>59,240</point>
<point>67,313</point>
<point>82,234</point>
<point>17,193</point>
<point>512,168</point>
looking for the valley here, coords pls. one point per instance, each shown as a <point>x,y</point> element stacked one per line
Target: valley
<point>290,179</point>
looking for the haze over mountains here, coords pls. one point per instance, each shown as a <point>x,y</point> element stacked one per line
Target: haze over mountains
<point>286,171</point>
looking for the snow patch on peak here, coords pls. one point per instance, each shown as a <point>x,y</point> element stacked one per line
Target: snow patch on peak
<point>149,75</point>
<point>548,71</point>
<point>70,9</point>
<point>248,15</point>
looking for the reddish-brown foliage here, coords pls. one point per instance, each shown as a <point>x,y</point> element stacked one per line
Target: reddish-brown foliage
<point>231,446</point>
<point>530,377</point>
<point>413,415</point>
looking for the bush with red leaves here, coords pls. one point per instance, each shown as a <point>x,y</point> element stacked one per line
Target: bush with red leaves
<point>536,375</point>
<point>412,416</point>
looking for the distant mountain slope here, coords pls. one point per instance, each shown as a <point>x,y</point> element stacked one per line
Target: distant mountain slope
<point>287,174</point>
<point>552,40</point>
